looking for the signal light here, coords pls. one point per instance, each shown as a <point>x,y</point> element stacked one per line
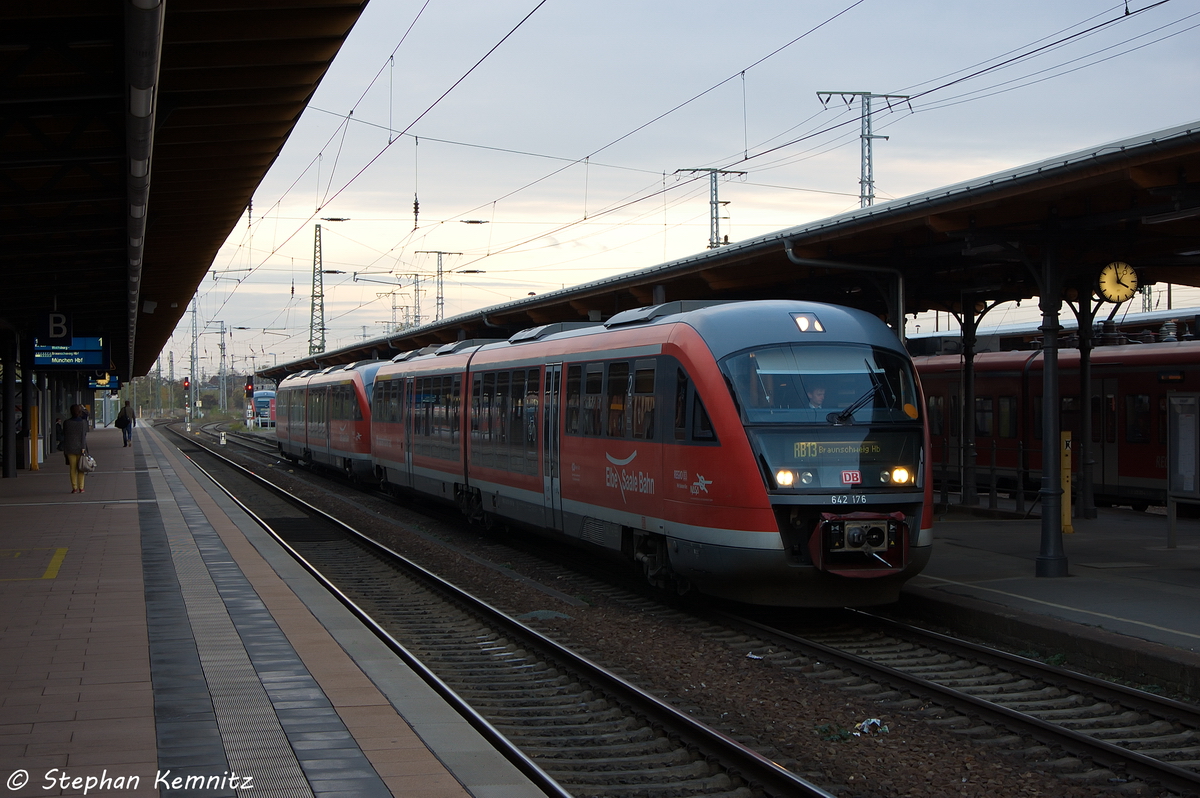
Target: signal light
<point>187,383</point>
<point>250,388</point>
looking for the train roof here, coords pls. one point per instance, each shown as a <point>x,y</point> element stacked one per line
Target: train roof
<point>733,326</point>
<point>725,326</point>
<point>1165,353</point>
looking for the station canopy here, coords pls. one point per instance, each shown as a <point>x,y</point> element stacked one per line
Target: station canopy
<point>134,135</point>
<point>982,240</point>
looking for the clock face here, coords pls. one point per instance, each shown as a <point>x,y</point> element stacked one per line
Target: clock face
<point>1118,282</point>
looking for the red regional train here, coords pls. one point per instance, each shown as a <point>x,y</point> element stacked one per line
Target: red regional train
<point>768,452</point>
<point>1130,385</point>
<point>324,417</point>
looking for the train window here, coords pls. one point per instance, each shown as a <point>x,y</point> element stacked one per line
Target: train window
<point>1110,418</point>
<point>476,398</point>
<point>574,385</point>
<point>984,416</point>
<point>618,385</point>
<point>532,400</point>
<point>514,419</point>
<point>1007,421</point>
<point>702,428</point>
<point>935,408</point>
<point>1162,419</point>
<point>642,400</point>
<point>1068,416</point>
<point>681,391</point>
<point>593,400</point>
<point>1137,418</point>
<point>454,409</point>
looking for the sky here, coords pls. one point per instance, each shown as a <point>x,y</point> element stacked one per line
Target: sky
<point>549,142</point>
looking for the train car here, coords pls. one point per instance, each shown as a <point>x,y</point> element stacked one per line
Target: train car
<point>324,417</point>
<point>416,425</point>
<point>768,452</point>
<point>263,403</point>
<point>1130,386</point>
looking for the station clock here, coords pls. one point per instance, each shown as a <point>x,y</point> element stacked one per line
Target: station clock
<point>1118,282</point>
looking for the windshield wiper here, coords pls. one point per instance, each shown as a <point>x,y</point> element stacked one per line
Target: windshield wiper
<point>847,415</point>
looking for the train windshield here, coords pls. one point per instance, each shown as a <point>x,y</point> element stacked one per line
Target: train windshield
<point>827,384</point>
<point>825,416</point>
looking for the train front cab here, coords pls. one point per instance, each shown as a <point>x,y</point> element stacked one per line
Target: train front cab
<point>845,484</point>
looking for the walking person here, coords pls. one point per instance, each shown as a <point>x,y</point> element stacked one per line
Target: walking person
<point>126,421</point>
<point>75,430</point>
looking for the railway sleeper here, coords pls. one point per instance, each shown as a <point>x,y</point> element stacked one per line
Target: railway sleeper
<point>959,669</point>
<point>624,723</point>
<point>1047,692</point>
<point>692,769</point>
<point>669,757</point>
<point>891,652</point>
<point>601,747</point>
<point>1138,743</point>
<point>995,684</point>
<point>555,716</point>
<point>1091,776</point>
<point>719,785</point>
<point>1133,722</point>
<point>483,669</point>
<point>549,695</point>
<point>652,784</point>
<point>980,732</point>
<point>1073,713</point>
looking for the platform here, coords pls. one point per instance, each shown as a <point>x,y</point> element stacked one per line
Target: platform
<point>1128,602</point>
<point>150,633</point>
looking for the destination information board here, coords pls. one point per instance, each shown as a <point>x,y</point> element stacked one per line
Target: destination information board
<point>84,354</point>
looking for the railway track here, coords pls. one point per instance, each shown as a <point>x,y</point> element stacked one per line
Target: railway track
<point>575,727</point>
<point>1115,733</point>
<point>1085,729</point>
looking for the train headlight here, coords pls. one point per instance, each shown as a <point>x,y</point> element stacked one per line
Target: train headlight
<point>901,475</point>
<point>806,477</point>
<point>808,322</point>
<point>784,478</point>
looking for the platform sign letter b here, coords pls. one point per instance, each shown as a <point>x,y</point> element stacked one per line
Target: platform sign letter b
<point>55,329</point>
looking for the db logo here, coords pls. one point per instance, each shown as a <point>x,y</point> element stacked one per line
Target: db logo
<point>851,477</point>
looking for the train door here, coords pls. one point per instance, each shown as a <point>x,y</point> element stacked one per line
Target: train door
<point>409,413</point>
<point>952,436</point>
<point>1104,435</point>
<point>551,462</point>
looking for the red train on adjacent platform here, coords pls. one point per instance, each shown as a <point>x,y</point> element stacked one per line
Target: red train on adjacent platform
<point>1130,386</point>
<point>769,452</point>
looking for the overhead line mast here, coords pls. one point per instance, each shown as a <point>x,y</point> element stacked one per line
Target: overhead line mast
<point>714,202</point>
<point>441,295</point>
<point>867,181</point>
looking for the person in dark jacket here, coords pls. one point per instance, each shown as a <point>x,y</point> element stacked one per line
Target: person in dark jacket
<point>75,430</point>
<point>126,421</point>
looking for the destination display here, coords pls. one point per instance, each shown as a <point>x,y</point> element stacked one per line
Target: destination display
<point>83,354</point>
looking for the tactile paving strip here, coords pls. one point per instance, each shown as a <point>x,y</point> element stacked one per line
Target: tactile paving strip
<point>263,697</point>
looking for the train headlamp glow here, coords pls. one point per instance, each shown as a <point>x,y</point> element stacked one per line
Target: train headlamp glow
<point>784,478</point>
<point>896,476</point>
<point>808,322</point>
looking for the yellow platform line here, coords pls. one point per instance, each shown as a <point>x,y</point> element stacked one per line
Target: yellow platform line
<point>55,563</point>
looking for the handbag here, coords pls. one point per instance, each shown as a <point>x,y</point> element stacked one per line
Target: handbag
<point>122,421</point>
<point>87,463</point>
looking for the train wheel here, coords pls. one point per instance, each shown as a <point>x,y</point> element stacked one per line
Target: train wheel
<point>656,564</point>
